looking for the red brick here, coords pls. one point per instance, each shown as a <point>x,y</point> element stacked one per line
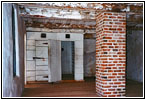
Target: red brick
<point>107,19</point>
<point>112,40</point>
<point>114,73</point>
<point>107,37</point>
<point>107,13</point>
<point>107,92</point>
<point>117,82</point>
<point>112,95</point>
<point>122,55</point>
<point>111,64</point>
<point>110,53</point>
<point>111,77</point>
<point>121,73</point>
<point>107,43</point>
<point>106,86</point>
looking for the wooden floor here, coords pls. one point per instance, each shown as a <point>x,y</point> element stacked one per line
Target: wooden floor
<point>64,89</point>
<point>73,89</point>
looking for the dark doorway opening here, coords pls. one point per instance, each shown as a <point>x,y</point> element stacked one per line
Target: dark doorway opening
<point>67,60</point>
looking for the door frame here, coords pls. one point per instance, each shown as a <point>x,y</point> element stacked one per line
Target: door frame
<point>73,58</point>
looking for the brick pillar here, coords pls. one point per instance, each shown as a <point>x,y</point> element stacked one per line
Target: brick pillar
<point>110,54</point>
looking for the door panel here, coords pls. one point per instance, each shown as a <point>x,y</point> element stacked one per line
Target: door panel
<point>55,60</point>
<point>41,58</point>
<point>41,78</point>
<point>30,55</point>
<point>66,57</point>
<point>41,61</point>
<point>41,68</point>
<point>43,53</point>
<point>42,48</point>
<point>42,43</point>
<point>30,65</point>
<point>42,73</point>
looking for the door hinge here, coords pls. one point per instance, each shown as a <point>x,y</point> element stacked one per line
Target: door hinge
<point>38,58</point>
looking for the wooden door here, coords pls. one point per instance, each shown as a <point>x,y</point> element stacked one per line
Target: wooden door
<point>55,60</point>
<point>41,59</point>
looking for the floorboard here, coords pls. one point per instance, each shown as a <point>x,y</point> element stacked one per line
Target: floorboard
<point>74,89</point>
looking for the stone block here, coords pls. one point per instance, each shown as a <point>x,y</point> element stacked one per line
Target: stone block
<point>41,68</point>
<point>30,55</point>
<point>30,42</point>
<point>78,58</point>
<point>78,70</point>
<point>42,43</point>
<point>41,61</point>
<point>79,44</point>
<point>79,77</point>
<point>30,47</point>
<point>42,48</point>
<point>30,78</point>
<point>42,54</point>
<point>73,37</point>
<point>37,36</point>
<point>30,65</point>
<point>30,73</point>
<point>78,52</point>
<point>42,78</point>
<point>41,73</point>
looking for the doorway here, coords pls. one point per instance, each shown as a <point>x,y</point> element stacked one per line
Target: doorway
<point>67,60</point>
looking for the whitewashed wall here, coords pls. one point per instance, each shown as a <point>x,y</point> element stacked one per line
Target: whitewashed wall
<point>12,86</point>
<point>76,37</point>
<point>89,47</point>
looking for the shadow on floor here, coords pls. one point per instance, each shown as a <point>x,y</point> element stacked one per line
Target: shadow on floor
<point>134,89</point>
